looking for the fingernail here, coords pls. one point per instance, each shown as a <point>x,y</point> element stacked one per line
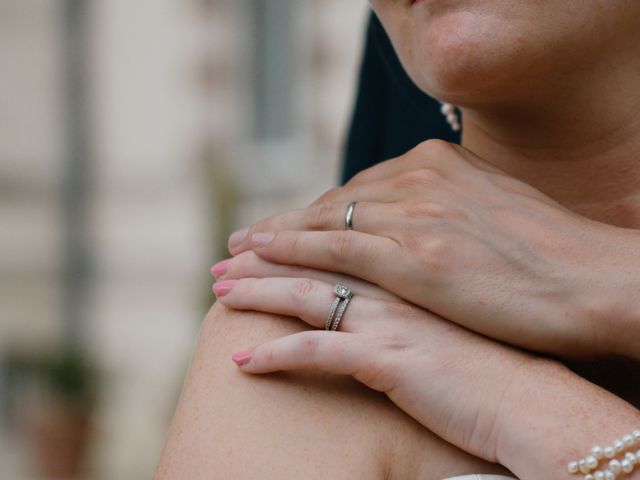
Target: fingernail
<point>223,287</point>
<point>237,237</point>
<point>220,268</point>
<point>242,358</point>
<point>262,239</point>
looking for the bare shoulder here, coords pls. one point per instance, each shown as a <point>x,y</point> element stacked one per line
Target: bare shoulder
<point>291,424</point>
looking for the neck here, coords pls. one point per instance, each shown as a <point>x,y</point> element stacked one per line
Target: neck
<point>581,149</point>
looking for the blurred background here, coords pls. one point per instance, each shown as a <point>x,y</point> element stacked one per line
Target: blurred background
<point>134,137</point>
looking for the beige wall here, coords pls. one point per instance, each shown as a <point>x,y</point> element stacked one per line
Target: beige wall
<point>170,108</point>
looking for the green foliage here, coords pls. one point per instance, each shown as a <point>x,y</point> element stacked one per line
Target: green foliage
<point>70,376</point>
<point>64,373</point>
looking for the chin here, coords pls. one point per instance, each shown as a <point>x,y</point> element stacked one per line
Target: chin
<point>460,56</point>
<point>516,52</point>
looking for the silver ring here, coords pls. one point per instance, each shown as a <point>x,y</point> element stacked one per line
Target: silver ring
<point>343,297</point>
<point>332,312</point>
<point>348,218</point>
<point>340,313</point>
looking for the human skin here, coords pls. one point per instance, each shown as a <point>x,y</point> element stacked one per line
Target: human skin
<point>447,231</point>
<point>544,103</point>
<point>482,398</point>
<point>309,425</point>
<point>549,95</point>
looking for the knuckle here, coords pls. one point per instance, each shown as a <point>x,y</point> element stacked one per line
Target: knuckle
<point>321,215</point>
<point>380,369</point>
<point>294,243</point>
<point>422,177</point>
<point>302,288</point>
<point>448,156</point>
<point>341,247</point>
<point>438,255</point>
<point>427,210</point>
<point>377,372</point>
<point>309,344</point>
<point>435,147</point>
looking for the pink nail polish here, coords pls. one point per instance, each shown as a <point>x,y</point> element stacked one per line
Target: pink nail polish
<point>242,358</point>
<point>223,287</point>
<point>262,239</point>
<point>220,268</point>
<point>237,237</point>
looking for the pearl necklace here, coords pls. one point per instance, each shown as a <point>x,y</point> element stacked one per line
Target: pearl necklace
<point>623,466</point>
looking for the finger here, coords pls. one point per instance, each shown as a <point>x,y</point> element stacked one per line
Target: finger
<point>361,255</point>
<point>377,191</point>
<point>328,213</point>
<point>334,352</point>
<point>248,264</point>
<point>306,299</point>
<point>375,218</point>
<point>330,351</point>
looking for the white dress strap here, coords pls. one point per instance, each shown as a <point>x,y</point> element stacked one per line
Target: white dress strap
<point>481,477</point>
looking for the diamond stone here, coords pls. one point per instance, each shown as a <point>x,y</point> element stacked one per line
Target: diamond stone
<point>341,291</point>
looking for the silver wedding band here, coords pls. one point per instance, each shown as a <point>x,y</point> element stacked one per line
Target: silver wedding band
<point>348,218</point>
<point>338,307</point>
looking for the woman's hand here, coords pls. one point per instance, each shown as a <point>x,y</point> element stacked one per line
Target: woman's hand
<point>444,229</point>
<point>451,380</point>
<point>491,400</point>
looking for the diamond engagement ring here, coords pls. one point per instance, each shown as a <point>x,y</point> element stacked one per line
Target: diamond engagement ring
<point>343,297</point>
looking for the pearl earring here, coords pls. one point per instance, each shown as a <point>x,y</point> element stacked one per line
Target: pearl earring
<point>449,111</point>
